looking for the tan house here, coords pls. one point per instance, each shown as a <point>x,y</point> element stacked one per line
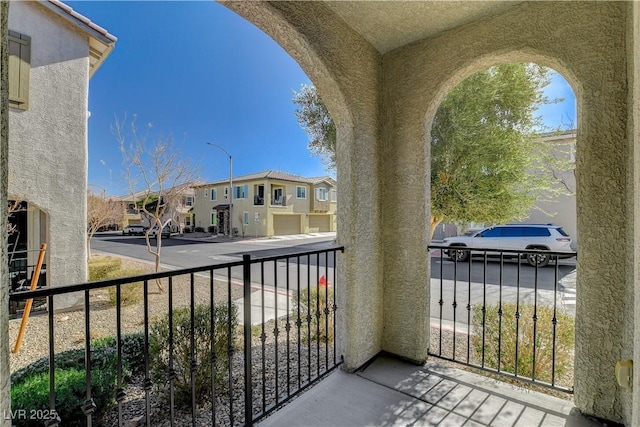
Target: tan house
<point>268,203</point>
<point>179,209</point>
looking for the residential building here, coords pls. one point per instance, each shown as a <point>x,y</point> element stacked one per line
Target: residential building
<point>53,52</point>
<point>179,209</point>
<point>267,203</point>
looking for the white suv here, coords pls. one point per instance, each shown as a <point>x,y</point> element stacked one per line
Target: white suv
<point>513,238</point>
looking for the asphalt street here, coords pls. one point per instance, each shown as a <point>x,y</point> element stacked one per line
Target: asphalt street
<point>506,282</point>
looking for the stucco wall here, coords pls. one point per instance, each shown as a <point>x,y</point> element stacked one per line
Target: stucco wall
<point>585,42</point>
<point>346,70</point>
<point>48,142</point>
<point>632,331</point>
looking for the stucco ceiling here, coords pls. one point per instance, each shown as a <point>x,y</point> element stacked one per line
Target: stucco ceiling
<point>391,24</point>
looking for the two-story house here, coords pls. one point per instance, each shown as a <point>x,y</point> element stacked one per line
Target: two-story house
<point>53,52</point>
<point>268,203</point>
<point>179,209</point>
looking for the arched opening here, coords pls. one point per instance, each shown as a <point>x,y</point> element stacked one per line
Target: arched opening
<point>503,193</point>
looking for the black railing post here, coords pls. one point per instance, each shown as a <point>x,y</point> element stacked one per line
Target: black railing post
<point>248,390</point>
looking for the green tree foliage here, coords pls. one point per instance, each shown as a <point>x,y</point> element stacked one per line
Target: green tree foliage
<point>487,162</point>
<point>314,118</point>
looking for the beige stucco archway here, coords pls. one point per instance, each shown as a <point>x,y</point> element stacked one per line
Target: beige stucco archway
<point>384,117</point>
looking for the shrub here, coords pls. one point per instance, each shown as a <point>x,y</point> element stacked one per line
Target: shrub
<point>310,301</point>
<point>101,267</point>
<point>225,321</point>
<point>30,385</point>
<point>199,229</point>
<point>212,229</point>
<point>187,230</point>
<point>132,351</point>
<point>131,293</point>
<point>564,345</point>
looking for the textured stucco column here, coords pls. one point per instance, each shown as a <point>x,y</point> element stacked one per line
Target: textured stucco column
<point>633,257</point>
<point>346,70</point>
<point>5,379</point>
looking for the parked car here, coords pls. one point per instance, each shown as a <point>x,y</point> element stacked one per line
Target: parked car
<point>514,237</point>
<point>134,230</point>
<point>166,232</point>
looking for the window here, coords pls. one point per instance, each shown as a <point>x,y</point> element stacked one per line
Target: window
<point>334,196</point>
<point>240,191</point>
<point>322,194</point>
<point>245,216</point>
<point>19,70</point>
<point>301,192</point>
<point>214,194</point>
<point>214,218</point>
<point>492,232</point>
<point>277,199</point>
<point>187,221</point>
<point>189,201</point>
<point>226,192</point>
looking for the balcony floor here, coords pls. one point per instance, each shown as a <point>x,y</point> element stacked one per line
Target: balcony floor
<point>390,392</point>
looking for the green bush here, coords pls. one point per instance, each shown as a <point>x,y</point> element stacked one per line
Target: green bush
<point>100,267</point>
<point>225,321</point>
<point>131,293</point>
<point>132,351</point>
<point>564,345</point>
<point>310,301</point>
<point>30,385</point>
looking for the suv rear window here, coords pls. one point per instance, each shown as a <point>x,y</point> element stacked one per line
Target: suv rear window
<point>561,231</point>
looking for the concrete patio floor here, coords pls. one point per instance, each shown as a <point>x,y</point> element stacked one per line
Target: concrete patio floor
<point>390,392</point>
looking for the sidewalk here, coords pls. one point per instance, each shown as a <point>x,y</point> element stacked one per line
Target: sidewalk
<point>213,238</point>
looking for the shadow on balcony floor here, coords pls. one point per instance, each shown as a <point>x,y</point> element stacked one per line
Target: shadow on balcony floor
<point>390,392</point>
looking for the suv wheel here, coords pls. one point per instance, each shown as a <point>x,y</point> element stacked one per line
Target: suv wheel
<point>540,260</point>
<point>458,255</point>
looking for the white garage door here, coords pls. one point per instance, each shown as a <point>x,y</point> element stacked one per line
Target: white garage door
<point>319,223</point>
<point>286,224</point>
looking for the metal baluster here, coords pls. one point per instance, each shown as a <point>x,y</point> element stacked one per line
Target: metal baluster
<point>517,312</point>
<point>318,334</point>
<point>535,320</point>
<point>147,378</point>
<point>288,329</point>
<point>89,406</point>
<point>120,393</point>
<point>276,331</point>
<point>298,326</point>
<point>172,372</point>
<point>335,307</point>
<point>469,312</point>
<point>309,317</point>
<point>192,347</point>
<point>213,358</point>
<point>248,375</point>
<point>454,305</point>
<point>263,339</point>
<point>554,321</point>
<point>230,343</point>
<point>441,301</point>
<point>484,304</point>
<point>54,420</point>
<point>500,309</point>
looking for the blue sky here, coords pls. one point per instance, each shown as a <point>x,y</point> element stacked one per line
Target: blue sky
<point>201,73</point>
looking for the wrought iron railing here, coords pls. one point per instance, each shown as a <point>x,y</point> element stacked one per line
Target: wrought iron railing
<point>504,312</point>
<point>286,341</point>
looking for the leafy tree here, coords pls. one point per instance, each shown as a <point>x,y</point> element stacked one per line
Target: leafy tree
<point>487,162</point>
<point>156,176</point>
<point>314,118</point>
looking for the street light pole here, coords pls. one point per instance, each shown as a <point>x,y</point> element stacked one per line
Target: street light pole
<point>230,187</point>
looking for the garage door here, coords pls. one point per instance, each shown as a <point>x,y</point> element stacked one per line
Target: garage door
<point>286,224</point>
<point>319,223</point>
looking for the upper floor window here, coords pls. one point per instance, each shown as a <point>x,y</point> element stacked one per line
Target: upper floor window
<point>19,70</point>
<point>301,192</point>
<point>214,194</point>
<point>240,191</point>
<point>188,201</point>
<point>334,196</point>
<point>226,192</point>
<point>322,194</point>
